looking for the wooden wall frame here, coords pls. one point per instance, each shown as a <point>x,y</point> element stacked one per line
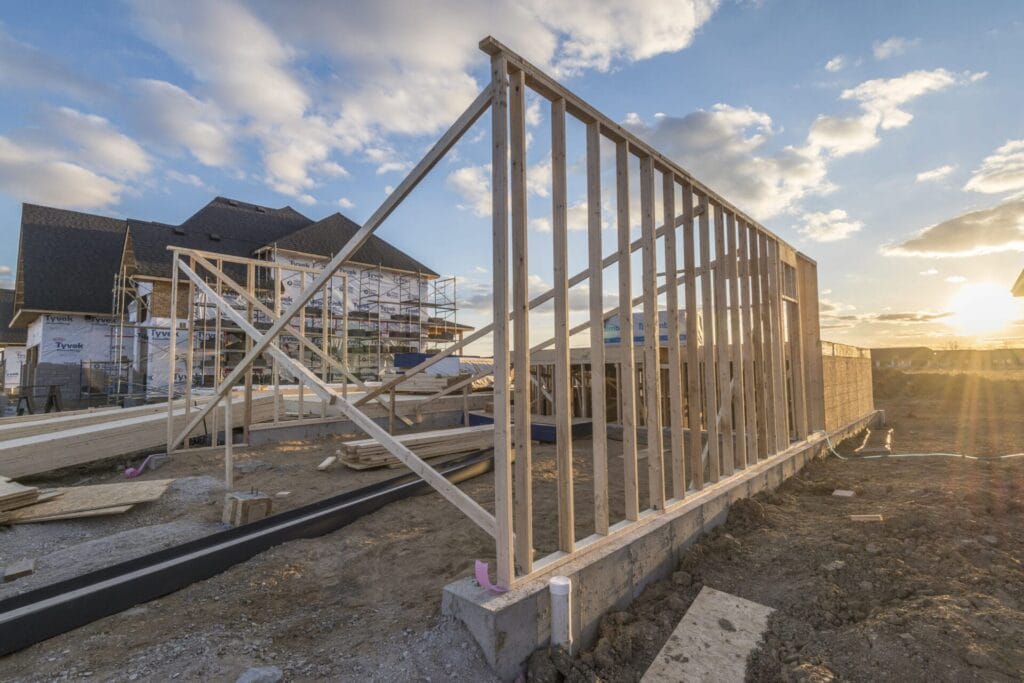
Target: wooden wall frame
<point>738,386</point>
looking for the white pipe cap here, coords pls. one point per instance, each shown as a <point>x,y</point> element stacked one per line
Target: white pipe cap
<point>560,585</point>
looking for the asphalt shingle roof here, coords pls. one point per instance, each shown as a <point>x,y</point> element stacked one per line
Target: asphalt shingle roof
<point>225,226</point>
<point>326,237</point>
<point>68,259</point>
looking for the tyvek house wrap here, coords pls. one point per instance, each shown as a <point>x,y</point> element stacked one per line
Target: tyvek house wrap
<point>613,328</point>
<point>14,358</point>
<point>72,338</point>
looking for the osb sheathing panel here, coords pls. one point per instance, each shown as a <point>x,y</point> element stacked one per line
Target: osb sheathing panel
<point>847,384</point>
<point>160,302</point>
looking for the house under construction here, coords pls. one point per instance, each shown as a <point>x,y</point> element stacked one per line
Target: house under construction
<point>93,296</point>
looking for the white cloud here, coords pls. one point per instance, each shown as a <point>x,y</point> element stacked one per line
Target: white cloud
<point>986,231</point>
<point>244,65</point>
<point>168,113</point>
<point>828,226</point>
<point>75,159</point>
<point>883,97</point>
<point>473,184</point>
<point>393,68</point>
<point>248,73</point>
<point>724,147</point>
<point>1001,171</point>
<point>882,101</point>
<point>186,178</point>
<point>884,49</point>
<point>929,272</point>
<point>99,145</point>
<point>935,174</point>
<point>386,159</point>
<point>532,114</point>
<point>842,135</point>
<point>42,176</point>
<point>599,32</point>
<point>346,203</point>
<point>334,169</point>
<point>837,63</point>
<point>956,279</point>
<point>538,178</point>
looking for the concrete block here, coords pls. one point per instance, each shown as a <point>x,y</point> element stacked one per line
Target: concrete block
<point>243,507</point>
<point>713,640</point>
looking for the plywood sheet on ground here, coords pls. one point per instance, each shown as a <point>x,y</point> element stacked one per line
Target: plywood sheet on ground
<point>87,498</point>
<point>100,512</point>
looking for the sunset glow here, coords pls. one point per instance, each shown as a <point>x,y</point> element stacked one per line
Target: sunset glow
<point>982,308</point>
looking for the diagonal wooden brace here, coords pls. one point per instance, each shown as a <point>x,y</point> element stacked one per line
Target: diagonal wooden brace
<point>450,491</point>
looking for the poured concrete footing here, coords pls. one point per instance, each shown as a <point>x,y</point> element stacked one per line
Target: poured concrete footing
<point>510,626</point>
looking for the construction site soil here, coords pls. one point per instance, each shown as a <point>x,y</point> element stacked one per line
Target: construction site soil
<point>931,593</point>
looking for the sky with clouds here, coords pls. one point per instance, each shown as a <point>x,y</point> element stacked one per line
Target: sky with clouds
<point>885,140</point>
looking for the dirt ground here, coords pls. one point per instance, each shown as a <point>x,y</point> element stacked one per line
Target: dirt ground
<point>362,603</point>
<point>932,593</point>
<point>968,413</point>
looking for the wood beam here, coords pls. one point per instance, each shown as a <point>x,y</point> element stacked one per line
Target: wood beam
<point>563,378</point>
<point>504,549</point>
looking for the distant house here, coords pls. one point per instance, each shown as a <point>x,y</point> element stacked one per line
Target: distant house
<point>902,358</point>
<point>94,292</point>
<point>974,360</point>
<point>960,360</point>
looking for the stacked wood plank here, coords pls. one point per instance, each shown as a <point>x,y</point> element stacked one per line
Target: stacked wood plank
<point>423,383</point>
<point>368,453</point>
<point>14,495</point>
<point>88,501</point>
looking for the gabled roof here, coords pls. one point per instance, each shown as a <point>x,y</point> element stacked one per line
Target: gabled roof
<point>67,261</point>
<point>1018,286</point>
<point>225,226</point>
<point>326,237</point>
<point>9,335</point>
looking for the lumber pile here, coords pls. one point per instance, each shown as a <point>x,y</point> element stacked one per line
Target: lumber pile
<point>369,453</point>
<point>423,383</point>
<point>88,501</point>
<point>14,495</point>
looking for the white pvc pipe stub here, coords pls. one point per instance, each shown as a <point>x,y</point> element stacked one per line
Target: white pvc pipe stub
<point>561,611</point>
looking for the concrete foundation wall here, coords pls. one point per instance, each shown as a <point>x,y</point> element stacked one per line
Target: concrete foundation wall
<point>510,626</point>
<point>846,371</point>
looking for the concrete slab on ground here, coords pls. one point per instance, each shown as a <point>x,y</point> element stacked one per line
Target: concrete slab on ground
<point>712,641</point>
